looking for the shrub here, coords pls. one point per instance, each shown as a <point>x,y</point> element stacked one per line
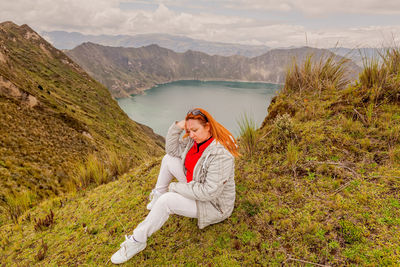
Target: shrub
<point>283,130</point>
<point>247,133</point>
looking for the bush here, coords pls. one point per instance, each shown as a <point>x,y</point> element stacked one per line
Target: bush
<point>283,130</point>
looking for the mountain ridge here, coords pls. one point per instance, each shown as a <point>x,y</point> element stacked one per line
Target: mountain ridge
<point>66,40</point>
<point>127,71</point>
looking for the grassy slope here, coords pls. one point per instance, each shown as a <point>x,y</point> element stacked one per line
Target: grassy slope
<point>321,186</point>
<point>41,144</point>
<point>90,227</point>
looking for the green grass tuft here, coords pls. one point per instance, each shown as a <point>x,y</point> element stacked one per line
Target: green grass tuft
<point>247,132</point>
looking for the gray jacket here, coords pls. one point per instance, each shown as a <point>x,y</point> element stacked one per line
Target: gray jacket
<point>213,184</point>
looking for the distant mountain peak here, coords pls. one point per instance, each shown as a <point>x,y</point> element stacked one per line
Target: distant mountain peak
<point>8,24</point>
<point>177,43</point>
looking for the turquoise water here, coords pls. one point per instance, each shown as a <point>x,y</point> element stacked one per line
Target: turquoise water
<point>160,106</point>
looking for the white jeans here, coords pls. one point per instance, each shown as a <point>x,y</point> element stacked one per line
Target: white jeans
<point>168,203</point>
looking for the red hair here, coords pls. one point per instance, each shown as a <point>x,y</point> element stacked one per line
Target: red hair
<point>218,132</point>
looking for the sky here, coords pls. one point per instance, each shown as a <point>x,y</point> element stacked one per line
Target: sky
<point>274,23</point>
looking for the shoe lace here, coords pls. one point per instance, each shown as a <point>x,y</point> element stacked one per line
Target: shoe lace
<point>151,196</point>
<point>124,246</point>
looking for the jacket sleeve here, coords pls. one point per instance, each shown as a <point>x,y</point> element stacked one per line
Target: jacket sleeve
<point>218,173</point>
<point>174,145</point>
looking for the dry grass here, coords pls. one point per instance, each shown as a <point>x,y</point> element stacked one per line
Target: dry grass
<point>16,204</point>
<point>327,72</point>
<point>118,163</point>
<point>380,78</point>
<point>97,170</point>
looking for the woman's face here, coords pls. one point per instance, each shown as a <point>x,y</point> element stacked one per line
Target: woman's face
<point>197,131</point>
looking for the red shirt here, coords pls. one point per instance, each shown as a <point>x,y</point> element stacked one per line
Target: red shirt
<point>193,156</point>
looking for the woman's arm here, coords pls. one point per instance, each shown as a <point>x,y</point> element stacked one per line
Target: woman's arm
<point>174,146</point>
<point>218,173</point>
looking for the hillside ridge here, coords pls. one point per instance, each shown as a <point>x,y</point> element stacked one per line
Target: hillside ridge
<point>53,116</point>
<point>69,40</point>
<point>126,71</point>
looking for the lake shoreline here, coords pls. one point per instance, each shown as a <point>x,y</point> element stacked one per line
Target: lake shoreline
<point>142,90</point>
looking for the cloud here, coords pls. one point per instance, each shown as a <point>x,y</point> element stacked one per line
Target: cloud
<point>106,17</point>
<point>73,14</point>
<point>316,7</point>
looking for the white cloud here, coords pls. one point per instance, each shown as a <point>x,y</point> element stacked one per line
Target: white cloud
<point>72,14</point>
<point>106,17</point>
<point>317,7</point>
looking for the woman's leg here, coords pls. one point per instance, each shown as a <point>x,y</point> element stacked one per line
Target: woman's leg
<point>170,167</point>
<point>168,203</point>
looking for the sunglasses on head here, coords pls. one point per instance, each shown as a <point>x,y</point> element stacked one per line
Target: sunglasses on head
<point>197,112</point>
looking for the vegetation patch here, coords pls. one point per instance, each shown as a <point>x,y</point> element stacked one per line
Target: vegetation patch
<point>321,187</point>
<point>53,116</point>
<point>43,223</point>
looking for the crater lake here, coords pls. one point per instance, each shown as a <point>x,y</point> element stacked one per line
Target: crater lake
<point>227,102</point>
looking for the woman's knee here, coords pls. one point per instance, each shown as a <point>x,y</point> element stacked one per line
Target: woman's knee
<point>166,200</point>
<point>167,158</point>
<point>166,197</point>
<point>170,160</point>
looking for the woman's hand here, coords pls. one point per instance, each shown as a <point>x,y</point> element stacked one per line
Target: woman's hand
<point>181,124</point>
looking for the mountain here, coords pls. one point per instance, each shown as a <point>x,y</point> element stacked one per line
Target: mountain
<point>69,40</point>
<point>321,188</point>
<point>358,55</point>
<point>53,115</point>
<point>128,71</point>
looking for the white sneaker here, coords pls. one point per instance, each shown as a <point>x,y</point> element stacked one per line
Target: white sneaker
<point>129,248</point>
<point>154,195</point>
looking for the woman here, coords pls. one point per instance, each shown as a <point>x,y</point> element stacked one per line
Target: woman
<point>204,166</point>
